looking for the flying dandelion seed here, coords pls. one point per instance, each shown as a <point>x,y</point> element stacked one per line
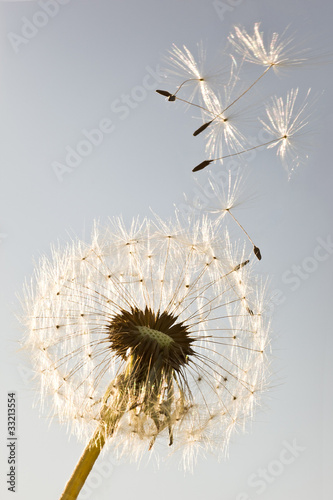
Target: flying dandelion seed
<point>148,336</point>
<point>205,163</point>
<point>189,75</point>
<point>191,79</point>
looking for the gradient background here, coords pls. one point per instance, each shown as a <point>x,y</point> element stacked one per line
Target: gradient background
<point>64,80</point>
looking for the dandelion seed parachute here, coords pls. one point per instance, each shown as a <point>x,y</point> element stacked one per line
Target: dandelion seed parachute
<point>155,335</point>
<point>279,51</point>
<point>189,76</point>
<point>286,122</point>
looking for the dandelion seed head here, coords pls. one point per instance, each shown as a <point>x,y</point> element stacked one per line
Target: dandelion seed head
<point>146,333</point>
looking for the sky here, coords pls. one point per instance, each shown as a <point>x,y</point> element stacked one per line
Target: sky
<point>71,67</point>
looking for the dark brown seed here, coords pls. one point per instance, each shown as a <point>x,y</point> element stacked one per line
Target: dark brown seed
<point>202,165</point>
<point>257,252</point>
<point>241,265</point>
<point>202,128</point>
<point>164,92</point>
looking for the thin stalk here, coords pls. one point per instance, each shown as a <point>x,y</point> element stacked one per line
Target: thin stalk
<point>195,105</point>
<point>189,80</point>
<point>240,226</point>
<point>207,162</point>
<point>84,466</point>
<point>251,149</point>
<point>245,91</point>
<point>173,97</point>
<point>256,249</point>
<point>205,125</point>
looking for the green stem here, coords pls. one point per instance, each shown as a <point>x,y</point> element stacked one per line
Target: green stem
<point>94,447</point>
<point>84,466</point>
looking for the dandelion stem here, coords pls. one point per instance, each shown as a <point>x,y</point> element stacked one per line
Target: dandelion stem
<point>173,97</point>
<point>84,466</point>
<point>195,105</point>
<point>256,250</point>
<point>205,163</point>
<point>245,91</point>
<point>205,125</point>
<point>90,453</point>
<point>239,225</point>
<point>189,80</point>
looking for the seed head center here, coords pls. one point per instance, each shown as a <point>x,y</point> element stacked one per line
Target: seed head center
<point>157,341</point>
<point>161,338</point>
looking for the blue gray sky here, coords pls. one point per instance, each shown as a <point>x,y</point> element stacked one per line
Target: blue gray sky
<point>69,67</point>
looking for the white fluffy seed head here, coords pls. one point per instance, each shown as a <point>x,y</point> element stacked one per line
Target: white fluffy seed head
<point>185,292</point>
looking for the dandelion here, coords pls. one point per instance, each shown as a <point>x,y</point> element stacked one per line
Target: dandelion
<point>148,336</point>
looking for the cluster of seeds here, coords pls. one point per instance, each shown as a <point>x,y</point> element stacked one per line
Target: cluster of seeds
<point>220,97</point>
<point>150,333</point>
